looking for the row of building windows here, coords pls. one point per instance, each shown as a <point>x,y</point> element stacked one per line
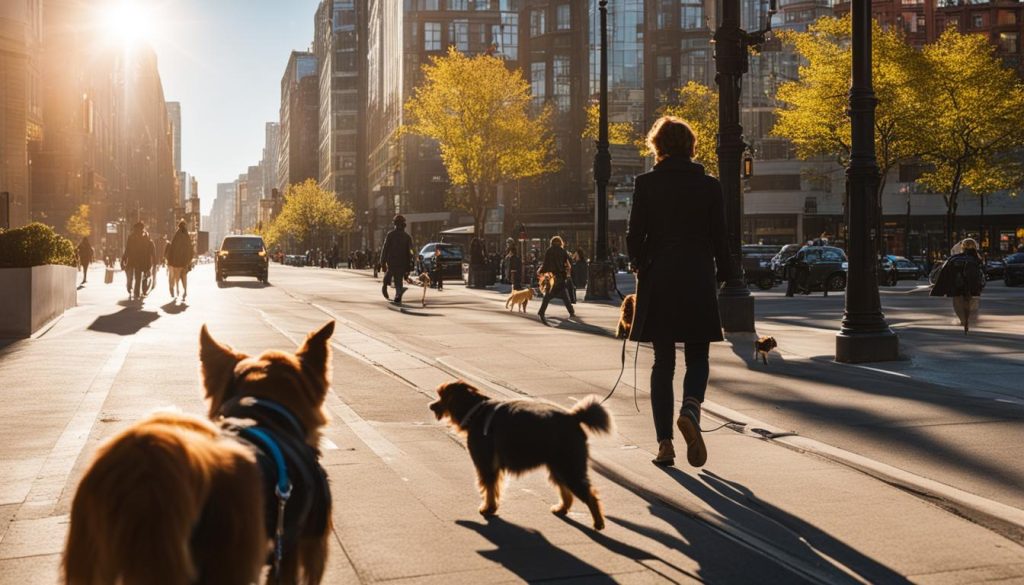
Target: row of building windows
<point>466,36</point>
<point>538,20</point>
<point>478,5</point>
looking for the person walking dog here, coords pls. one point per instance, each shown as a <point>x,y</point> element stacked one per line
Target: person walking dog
<point>676,240</point>
<point>395,257</point>
<point>963,278</point>
<point>179,260</point>
<point>556,261</point>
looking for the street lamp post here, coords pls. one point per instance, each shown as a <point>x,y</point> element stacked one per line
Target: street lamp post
<point>601,270</point>
<point>864,335</point>
<point>735,303</point>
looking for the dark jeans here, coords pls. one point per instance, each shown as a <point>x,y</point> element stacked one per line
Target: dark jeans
<point>436,277</point>
<point>399,278</point>
<point>558,289</point>
<point>135,276</point>
<point>695,381</point>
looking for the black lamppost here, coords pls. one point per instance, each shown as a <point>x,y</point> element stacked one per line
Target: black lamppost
<point>864,335</point>
<point>735,303</point>
<point>601,270</point>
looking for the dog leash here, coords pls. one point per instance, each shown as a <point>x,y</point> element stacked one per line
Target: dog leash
<point>622,369</point>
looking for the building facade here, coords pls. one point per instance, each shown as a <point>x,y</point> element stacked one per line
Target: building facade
<point>298,152</point>
<point>21,29</point>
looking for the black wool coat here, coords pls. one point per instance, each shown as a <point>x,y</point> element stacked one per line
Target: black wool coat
<point>677,240</point>
<point>397,251</point>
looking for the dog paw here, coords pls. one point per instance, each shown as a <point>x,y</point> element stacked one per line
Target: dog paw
<point>599,524</point>
<point>559,510</point>
<point>488,511</point>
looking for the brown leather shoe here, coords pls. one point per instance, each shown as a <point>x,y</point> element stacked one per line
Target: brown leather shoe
<point>689,426</point>
<point>666,454</point>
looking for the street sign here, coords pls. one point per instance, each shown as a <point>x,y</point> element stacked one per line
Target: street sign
<point>111,228</point>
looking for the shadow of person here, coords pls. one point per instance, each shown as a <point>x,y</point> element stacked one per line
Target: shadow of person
<point>173,308</point>
<point>127,321</point>
<point>530,555</point>
<point>791,534</point>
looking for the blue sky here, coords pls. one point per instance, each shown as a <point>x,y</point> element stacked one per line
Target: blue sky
<point>223,60</point>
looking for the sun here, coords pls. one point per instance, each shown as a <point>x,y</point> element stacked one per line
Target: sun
<point>127,21</point>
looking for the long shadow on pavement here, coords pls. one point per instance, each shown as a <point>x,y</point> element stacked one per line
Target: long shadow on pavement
<point>740,507</point>
<point>531,556</point>
<point>127,321</point>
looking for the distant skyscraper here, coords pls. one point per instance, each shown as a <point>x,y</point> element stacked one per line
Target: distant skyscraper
<point>174,116</point>
<point>271,144</point>
<point>298,158</point>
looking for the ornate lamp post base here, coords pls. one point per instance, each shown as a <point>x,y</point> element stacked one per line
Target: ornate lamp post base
<point>736,313</point>
<point>855,348</point>
<point>600,281</point>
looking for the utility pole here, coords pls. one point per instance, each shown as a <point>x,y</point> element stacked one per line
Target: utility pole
<point>864,335</point>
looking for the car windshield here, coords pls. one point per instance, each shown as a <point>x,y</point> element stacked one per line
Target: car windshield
<point>242,244</point>
<point>453,252</point>
<point>1015,259</point>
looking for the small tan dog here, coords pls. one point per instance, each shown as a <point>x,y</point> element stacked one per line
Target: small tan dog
<point>545,281</point>
<point>626,313</point>
<point>519,297</point>
<point>422,280</point>
<point>762,346</point>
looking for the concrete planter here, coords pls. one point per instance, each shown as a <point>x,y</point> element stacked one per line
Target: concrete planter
<point>31,297</point>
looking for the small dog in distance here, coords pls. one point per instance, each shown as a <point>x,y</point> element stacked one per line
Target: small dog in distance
<point>519,297</point>
<point>762,346</point>
<point>516,436</point>
<point>422,280</point>
<point>545,282</point>
<point>626,312</point>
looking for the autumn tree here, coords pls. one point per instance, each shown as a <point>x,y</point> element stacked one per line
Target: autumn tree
<point>309,215</point>
<point>78,224</point>
<point>478,111</point>
<point>970,122</point>
<point>697,104</point>
<point>813,111</point>
<point>621,133</point>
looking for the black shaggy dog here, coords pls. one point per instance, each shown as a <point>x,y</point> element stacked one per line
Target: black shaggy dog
<point>762,346</point>
<point>516,436</point>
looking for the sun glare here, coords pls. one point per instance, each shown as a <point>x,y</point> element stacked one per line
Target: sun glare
<point>127,21</point>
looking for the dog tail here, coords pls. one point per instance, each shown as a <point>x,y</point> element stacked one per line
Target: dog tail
<point>591,413</point>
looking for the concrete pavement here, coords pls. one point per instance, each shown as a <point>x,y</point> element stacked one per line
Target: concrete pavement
<point>404,494</point>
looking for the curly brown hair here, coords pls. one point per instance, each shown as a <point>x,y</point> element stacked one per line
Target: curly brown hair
<point>671,136</point>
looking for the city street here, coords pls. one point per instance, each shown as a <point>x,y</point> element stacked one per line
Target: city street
<point>823,472</point>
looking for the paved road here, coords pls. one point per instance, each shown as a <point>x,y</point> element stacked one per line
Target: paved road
<point>403,485</point>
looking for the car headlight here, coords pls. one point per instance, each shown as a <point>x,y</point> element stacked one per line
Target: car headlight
<point>262,253</point>
<point>846,265</point>
<point>222,253</point>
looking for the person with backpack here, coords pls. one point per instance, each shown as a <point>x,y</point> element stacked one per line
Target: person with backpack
<point>556,261</point>
<point>962,277</point>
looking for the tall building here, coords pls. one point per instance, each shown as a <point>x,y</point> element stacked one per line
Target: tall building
<point>241,198</point>
<point>222,213</point>
<point>298,155</point>
<point>1001,21</point>
<point>174,116</point>
<point>339,42</point>
<point>269,162</point>
<point>21,27</point>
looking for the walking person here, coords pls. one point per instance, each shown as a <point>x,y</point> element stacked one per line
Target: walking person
<point>676,241</point>
<point>556,261</point>
<point>962,277</point>
<point>179,261</point>
<point>395,258</point>
<point>84,257</point>
<point>137,260</point>
<point>438,275</point>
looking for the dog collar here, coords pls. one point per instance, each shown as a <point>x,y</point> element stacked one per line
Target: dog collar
<point>472,411</point>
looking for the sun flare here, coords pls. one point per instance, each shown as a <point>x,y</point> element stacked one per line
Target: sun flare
<point>127,21</point>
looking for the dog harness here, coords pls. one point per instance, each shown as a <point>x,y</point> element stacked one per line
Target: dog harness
<point>464,423</point>
<point>291,469</point>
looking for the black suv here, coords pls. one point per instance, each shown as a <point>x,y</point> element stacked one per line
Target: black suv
<point>451,260</point>
<point>817,268</point>
<point>1014,272</point>
<point>757,264</point>
<point>242,256</point>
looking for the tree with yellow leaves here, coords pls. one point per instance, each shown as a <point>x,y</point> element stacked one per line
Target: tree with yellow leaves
<point>309,215</point>
<point>813,111</point>
<point>78,224</point>
<point>970,121</point>
<point>478,111</point>
<point>621,133</point>
<point>697,105</point>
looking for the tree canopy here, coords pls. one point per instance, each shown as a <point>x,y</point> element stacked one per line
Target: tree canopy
<point>618,132</point>
<point>308,215</point>
<point>78,224</point>
<point>697,104</point>
<point>479,113</point>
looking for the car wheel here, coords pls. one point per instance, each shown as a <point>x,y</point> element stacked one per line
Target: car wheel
<point>220,277</point>
<point>765,282</point>
<point>836,282</point>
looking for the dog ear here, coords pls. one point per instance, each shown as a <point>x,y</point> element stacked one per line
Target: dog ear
<point>218,365</point>
<point>315,352</point>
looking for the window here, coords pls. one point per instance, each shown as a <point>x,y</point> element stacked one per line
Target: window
<point>538,83</point>
<point>430,4</point>
<point>458,34</point>
<point>560,71</point>
<point>832,255</point>
<point>432,36</point>
<point>691,16</point>
<point>664,67</point>
<point>921,24</point>
<point>977,21</point>
<point>458,4</point>
<point>563,20</point>
<point>482,4</point>
<point>536,23</point>
<point>1008,42</point>
<point>1007,17</point>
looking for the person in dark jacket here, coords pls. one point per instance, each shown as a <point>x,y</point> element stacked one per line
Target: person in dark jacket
<point>556,261</point>
<point>579,268</point>
<point>438,275</point>
<point>962,277</point>
<point>179,259</point>
<point>137,260</point>
<point>676,241</point>
<point>395,258</point>
<point>84,257</point>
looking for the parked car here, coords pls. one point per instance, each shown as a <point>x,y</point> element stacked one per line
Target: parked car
<point>242,256</point>
<point>898,268</point>
<point>294,260</point>
<point>823,266</point>
<point>1013,274</point>
<point>995,268</point>
<point>451,260</point>
<point>778,262</point>
<point>757,264</point>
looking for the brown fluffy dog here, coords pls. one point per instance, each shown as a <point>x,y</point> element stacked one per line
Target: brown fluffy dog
<point>519,297</point>
<point>519,435</point>
<point>626,312</point>
<point>545,281</point>
<point>762,346</point>
<point>175,500</point>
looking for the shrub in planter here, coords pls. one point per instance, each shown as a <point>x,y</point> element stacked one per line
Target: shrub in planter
<point>35,244</point>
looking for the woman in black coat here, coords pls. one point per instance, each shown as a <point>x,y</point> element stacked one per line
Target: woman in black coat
<point>677,246</point>
<point>556,261</point>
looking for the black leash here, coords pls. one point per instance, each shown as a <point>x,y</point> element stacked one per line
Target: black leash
<point>622,369</point>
